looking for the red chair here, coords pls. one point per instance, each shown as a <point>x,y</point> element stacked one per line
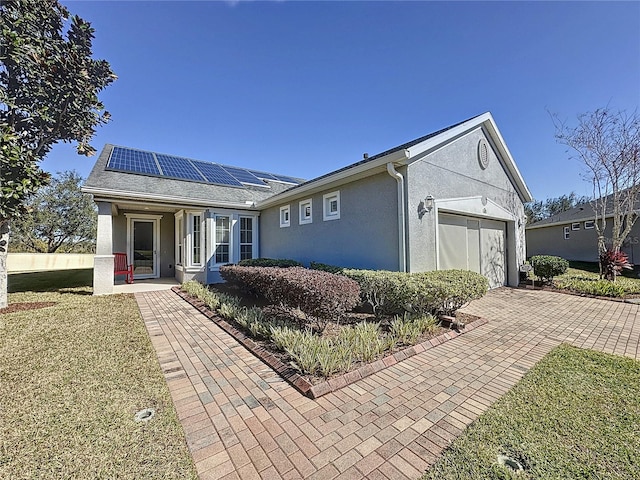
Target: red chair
<point>121,267</point>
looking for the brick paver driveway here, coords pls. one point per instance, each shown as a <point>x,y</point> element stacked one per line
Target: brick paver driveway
<point>242,421</point>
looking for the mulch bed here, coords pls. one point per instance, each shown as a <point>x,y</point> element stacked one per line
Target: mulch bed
<point>315,387</point>
<point>19,307</point>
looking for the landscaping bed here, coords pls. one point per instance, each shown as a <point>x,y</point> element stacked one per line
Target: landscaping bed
<point>318,357</point>
<point>582,278</point>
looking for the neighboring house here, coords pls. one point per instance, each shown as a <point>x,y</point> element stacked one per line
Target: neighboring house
<point>451,199</point>
<point>572,235</point>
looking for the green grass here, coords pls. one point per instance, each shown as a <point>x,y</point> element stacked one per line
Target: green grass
<point>49,281</point>
<point>574,415</point>
<point>73,375</point>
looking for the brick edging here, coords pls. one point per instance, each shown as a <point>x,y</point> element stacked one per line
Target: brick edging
<point>300,383</point>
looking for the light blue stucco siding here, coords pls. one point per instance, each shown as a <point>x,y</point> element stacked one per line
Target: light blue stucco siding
<point>365,235</point>
<point>452,175</point>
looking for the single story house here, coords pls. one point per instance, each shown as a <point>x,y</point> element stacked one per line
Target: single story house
<point>572,235</point>
<point>451,199</point>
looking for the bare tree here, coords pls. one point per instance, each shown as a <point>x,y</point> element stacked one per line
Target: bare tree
<point>608,144</point>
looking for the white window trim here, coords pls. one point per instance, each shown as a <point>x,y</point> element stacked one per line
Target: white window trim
<point>326,201</point>
<point>302,219</point>
<point>566,233</point>
<point>179,240</point>
<point>592,222</point>
<point>287,222</point>
<point>575,226</point>
<point>254,224</point>
<point>188,243</point>
<point>234,238</point>
<point>232,223</point>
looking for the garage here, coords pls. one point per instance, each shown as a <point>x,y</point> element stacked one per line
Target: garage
<point>476,244</point>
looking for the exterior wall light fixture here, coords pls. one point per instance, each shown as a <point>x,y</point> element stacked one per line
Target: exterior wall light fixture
<point>426,205</point>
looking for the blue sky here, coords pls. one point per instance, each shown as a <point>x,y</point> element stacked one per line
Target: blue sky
<point>304,88</point>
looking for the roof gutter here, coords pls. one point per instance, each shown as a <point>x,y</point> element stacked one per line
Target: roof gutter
<point>402,231</point>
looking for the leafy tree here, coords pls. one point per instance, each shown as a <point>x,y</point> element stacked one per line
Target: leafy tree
<point>539,210</point>
<point>49,85</point>
<point>608,144</point>
<point>59,217</point>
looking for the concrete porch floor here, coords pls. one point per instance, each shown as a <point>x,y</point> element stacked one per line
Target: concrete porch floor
<point>149,285</point>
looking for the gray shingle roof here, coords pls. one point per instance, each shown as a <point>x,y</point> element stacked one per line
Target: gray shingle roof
<point>579,213</point>
<point>386,152</point>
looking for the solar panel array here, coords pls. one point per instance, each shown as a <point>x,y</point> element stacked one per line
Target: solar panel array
<point>129,160</point>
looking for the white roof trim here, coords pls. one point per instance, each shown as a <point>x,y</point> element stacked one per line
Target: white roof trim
<point>111,195</point>
<point>489,123</point>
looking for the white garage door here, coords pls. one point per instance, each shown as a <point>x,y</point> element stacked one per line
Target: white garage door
<point>475,244</point>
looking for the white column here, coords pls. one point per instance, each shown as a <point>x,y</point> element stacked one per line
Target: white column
<point>103,260</point>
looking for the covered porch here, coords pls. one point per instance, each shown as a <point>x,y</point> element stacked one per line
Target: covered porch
<point>168,244</point>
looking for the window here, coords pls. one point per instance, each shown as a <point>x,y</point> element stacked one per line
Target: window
<point>222,236</point>
<point>589,224</point>
<point>196,244</point>
<point>566,233</point>
<point>246,238</point>
<point>575,226</point>
<point>331,206</point>
<point>305,212</point>
<point>285,221</point>
<point>179,241</point>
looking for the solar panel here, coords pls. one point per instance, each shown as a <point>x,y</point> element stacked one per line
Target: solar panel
<point>214,173</point>
<point>284,178</point>
<point>136,161</point>
<point>271,176</point>
<point>244,176</point>
<point>263,175</point>
<point>178,167</point>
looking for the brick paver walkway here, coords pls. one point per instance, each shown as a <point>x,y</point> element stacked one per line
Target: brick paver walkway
<point>243,422</point>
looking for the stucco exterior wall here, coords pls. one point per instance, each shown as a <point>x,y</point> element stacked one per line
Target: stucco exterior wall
<point>454,172</point>
<point>582,244</point>
<point>365,236</point>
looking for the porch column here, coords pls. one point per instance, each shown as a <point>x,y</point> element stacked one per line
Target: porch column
<point>103,260</point>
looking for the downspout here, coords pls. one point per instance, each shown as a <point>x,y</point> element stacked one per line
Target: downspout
<point>402,232</point>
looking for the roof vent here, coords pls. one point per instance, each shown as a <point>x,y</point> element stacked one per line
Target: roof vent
<point>365,156</point>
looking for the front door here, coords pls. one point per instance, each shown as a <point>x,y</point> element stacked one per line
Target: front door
<point>144,249</point>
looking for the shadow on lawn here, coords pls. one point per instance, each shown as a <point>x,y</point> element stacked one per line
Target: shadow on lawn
<point>63,281</point>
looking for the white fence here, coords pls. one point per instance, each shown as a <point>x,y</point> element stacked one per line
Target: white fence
<point>42,262</point>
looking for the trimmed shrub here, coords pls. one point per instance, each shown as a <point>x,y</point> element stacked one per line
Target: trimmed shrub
<point>269,262</point>
<point>326,268</point>
<point>443,291</point>
<point>545,267</point>
<point>320,295</point>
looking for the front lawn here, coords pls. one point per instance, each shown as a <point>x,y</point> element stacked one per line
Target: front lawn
<point>574,415</point>
<point>73,376</point>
